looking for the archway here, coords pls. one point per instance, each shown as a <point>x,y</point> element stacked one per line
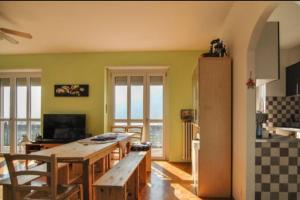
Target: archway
<point>262,19</point>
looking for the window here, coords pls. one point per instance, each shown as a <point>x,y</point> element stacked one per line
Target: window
<point>20,109</point>
<point>138,100</point>
<point>261,98</point>
<point>5,94</point>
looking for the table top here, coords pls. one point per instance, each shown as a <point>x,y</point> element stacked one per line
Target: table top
<point>82,150</point>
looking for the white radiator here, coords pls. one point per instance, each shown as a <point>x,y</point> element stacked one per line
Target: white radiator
<point>187,140</point>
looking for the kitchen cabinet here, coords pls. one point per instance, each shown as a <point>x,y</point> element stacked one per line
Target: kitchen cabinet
<point>267,59</point>
<point>293,79</point>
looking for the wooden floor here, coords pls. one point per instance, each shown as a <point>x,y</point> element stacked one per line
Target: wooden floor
<point>170,181</point>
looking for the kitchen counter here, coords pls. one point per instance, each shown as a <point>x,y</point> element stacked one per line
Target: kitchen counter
<point>278,138</point>
<point>288,131</point>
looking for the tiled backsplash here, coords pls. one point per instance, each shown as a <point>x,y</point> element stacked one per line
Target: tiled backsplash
<point>280,110</point>
<point>277,171</point>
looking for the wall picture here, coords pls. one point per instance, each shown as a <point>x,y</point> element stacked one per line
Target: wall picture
<point>71,90</point>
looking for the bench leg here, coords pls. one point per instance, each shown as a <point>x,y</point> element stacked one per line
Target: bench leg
<point>110,193</point>
<point>143,171</point>
<point>133,186</point>
<point>7,192</point>
<point>148,160</point>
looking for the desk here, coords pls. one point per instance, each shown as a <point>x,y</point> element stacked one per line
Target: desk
<point>86,152</point>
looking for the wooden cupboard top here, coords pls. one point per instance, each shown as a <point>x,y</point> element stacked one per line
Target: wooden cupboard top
<point>80,151</point>
<point>215,58</point>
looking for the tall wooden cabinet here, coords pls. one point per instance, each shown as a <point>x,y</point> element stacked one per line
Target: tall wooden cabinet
<point>212,88</point>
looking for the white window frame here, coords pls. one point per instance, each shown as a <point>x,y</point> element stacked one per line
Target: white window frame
<point>12,75</point>
<point>146,72</point>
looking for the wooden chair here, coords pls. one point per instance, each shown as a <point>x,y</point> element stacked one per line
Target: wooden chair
<point>139,133</point>
<point>118,129</point>
<point>117,154</point>
<point>48,191</point>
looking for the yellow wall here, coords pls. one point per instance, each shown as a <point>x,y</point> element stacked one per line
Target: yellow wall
<point>89,68</point>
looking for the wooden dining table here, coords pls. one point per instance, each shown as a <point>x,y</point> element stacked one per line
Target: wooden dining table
<point>87,152</point>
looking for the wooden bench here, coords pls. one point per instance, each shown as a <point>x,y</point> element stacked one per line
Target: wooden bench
<point>122,182</point>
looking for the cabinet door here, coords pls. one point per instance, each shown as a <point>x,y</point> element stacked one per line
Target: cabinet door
<point>267,59</point>
<point>293,80</point>
<point>196,94</point>
<point>215,127</point>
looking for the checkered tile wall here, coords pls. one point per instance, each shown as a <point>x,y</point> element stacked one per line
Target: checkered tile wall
<point>280,110</point>
<point>277,170</point>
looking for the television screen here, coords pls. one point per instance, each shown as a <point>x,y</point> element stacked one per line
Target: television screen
<point>64,126</point>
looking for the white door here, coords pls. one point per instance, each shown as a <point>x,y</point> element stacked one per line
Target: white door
<point>20,110</point>
<point>138,99</point>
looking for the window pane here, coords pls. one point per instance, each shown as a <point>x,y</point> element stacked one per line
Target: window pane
<point>156,138</point>
<point>35,98</point>
<point>21,130</point>
<point>120,102</point>
<point>137,92</point>
<point>156,102</point>
<point>5,87</point>
<point>35,130</point>
<point>21,98</point>
<point>5,139</point>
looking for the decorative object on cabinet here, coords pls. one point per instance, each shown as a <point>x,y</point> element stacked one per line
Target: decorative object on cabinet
<point>71,90</point>
<point>217,49</point>
<point>213,105</point>
<point>250,83</point>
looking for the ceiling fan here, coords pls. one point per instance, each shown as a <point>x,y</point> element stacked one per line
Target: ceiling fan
<point>5,31</point>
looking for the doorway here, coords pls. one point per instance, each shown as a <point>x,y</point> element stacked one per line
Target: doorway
<point>138,99</point>
<point>20,109</point>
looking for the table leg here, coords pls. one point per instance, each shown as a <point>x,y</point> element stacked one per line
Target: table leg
<point>148,160</point>
<point>87,181</point>
<point>7,192</point>
<point>128,146</point>
<point>143,171</point>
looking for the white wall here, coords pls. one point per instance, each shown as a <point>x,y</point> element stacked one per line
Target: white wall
<point>241,31</point>
<point>287,58</point>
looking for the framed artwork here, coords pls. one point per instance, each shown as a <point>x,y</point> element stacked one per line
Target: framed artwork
<point>187,114</point>
<point>71,90</point>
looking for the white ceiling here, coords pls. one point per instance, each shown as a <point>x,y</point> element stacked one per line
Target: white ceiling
<point>112,26</point>
<point>288,16</point>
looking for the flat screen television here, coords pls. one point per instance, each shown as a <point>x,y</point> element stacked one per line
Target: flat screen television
<point>68,127</point>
